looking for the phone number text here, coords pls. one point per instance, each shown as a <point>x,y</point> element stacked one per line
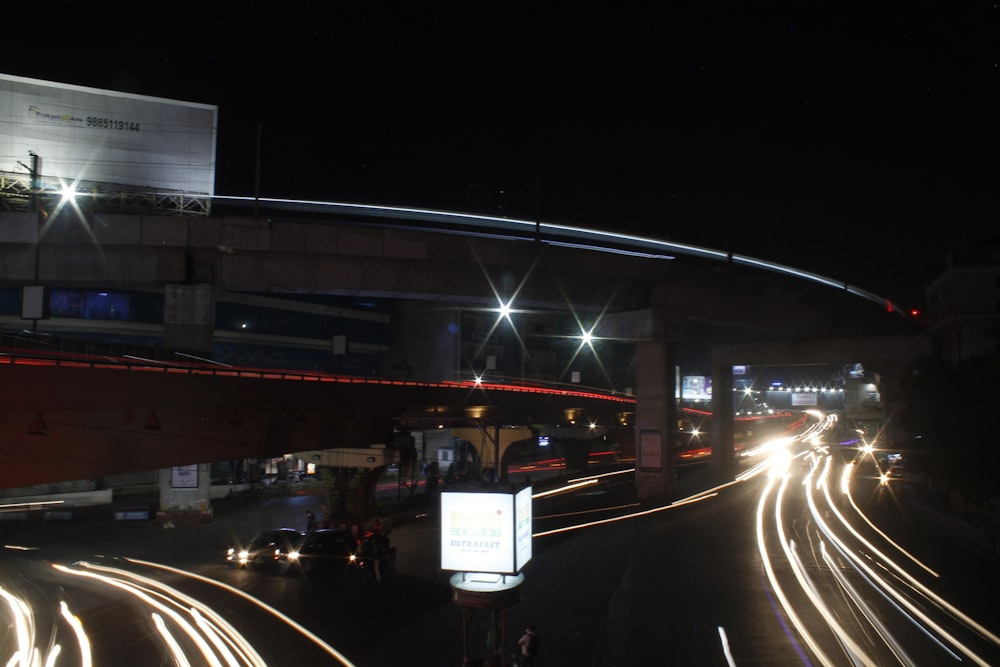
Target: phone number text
<point>112,124</point>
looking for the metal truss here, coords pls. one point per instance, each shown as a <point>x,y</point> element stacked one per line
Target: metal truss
<point>16,194</point>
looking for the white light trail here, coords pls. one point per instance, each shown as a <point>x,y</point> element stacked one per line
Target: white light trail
<point>779,591</point>
<point>726,649</point>
<point>151,599</point>
<point>884,585</point>
<point>235,591</point>
<point>82,640</point>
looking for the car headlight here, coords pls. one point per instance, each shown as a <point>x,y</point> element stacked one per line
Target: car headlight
<point>293,555</point>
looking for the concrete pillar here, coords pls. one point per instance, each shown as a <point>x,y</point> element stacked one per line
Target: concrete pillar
<point>723,442</point>
<point>185,494</point>
<point>656,415</point>
<point>189,317</point>
<point>425,343</point>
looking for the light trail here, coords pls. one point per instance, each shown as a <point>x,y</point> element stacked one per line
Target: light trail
<point>325,647</point>
<point>793,617</point>
<point>626,517</point>
<point>883,584</point>
<point>190,632</point>
<point>868,628</point>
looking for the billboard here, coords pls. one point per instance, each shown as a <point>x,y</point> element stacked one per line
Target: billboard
<point>804,399</point>
<point>89,134</point>
<point>696,388</point>
<point>184,477</point>
<point>486,531</point>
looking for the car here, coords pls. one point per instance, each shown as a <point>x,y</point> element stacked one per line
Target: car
<point>265,549</point>
<point>327,551</point>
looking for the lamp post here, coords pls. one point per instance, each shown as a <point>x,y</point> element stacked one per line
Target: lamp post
<point>35,182</point>
<point>34,302</point>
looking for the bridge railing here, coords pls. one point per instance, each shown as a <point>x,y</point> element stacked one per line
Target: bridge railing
<point>30,348</point>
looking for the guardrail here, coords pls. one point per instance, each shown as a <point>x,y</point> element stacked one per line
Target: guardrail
<point>92,359</point>
<point>52,506</point>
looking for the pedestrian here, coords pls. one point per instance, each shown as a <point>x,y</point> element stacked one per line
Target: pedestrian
<point>433,475</point>
<point>382,554</point>
<point>310,521</point>
<point>529,644</point>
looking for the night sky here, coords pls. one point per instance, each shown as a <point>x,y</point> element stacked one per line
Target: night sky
<point>856,143</point>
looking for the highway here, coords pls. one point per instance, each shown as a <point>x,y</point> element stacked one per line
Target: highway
<point>801,557</point>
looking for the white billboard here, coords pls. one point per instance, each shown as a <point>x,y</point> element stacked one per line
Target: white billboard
<point>486,531</point>
<point>90,134</point>
<point>800,399</point>
<point>696,388</point>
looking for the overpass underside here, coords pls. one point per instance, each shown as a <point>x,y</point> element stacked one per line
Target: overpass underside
<point>63,426</point>
<point>658,332</point>
<point>84,421</point>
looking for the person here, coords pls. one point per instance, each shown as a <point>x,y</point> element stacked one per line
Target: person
<point>529,646</point>
<point>310,521</point>
<point>382,554</point>
<point>375,551</point>
<point>433,475</point>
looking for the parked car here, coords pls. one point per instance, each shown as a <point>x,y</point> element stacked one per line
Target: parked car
<point>328,551</point>
<point>265,549</point>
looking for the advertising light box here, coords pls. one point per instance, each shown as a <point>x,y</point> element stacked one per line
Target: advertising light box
<point>105,136</point>
<point>696,388</point>
<point>486,531</point>
<point>804,399</point>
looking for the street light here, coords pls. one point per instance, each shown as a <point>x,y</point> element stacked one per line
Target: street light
<point>35,184</point>
<point>34,298</point>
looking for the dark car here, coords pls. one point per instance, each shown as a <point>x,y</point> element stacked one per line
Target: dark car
<point>265,549</point>
<point>328,551</point>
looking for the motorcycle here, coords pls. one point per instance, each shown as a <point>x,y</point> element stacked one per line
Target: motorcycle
<point>374,559</point>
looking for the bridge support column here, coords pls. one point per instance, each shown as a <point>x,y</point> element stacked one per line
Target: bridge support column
<point>189,317</point>
<point>185,494</point>
<point>723,443</point>
<point>656,414</point>
<point>426,343</point>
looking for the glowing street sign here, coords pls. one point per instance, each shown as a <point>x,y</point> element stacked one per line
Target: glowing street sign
<point>486,531</point>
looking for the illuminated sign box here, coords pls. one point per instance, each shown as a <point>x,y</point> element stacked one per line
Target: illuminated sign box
<point>804,399</point>
<point>486,531</point>
<point>695,388</point>
<point>34,303</point>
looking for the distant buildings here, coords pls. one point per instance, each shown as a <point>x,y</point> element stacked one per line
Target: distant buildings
<point>963,303</point>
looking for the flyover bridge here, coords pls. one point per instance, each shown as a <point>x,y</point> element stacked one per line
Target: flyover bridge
<point>80,418</point>
<point>654,299</point>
